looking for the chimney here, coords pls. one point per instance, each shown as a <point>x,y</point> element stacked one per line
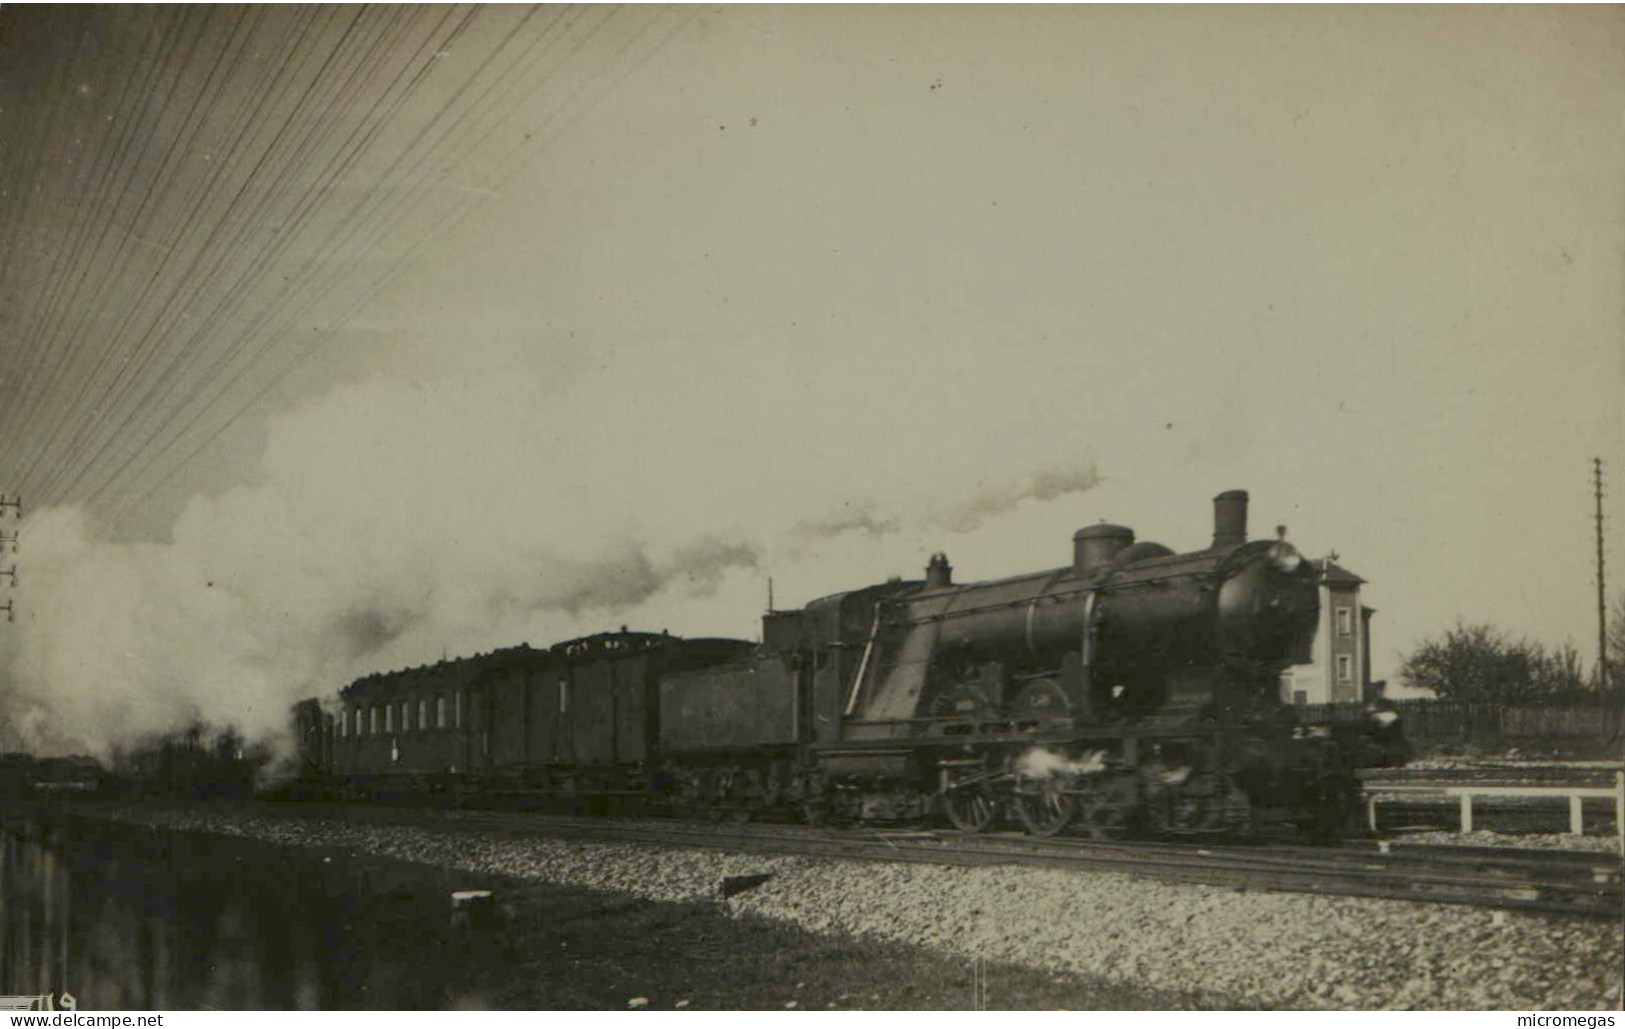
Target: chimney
<point>1230,519</point>
<point>939,572</point>
<point>1093,546</point>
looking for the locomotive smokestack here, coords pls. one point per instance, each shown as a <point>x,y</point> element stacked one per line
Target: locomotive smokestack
<point>939,572</point>
<point>1093,546</point>
<point>1230,519</point>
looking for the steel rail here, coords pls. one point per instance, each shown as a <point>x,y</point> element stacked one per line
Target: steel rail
<point>1581,885</point>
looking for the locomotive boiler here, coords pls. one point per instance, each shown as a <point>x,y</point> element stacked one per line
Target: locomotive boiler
<point>1127,630</point>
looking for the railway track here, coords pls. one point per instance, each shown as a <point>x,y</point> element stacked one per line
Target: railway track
<point>1548,882</point>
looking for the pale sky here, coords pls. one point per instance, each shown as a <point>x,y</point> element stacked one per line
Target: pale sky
<point>727,279</point>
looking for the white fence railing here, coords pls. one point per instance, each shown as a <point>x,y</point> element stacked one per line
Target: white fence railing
<point>1464,795</point>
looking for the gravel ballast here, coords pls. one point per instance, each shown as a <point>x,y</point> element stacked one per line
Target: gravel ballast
<point>1265,949</point>
<point>1528,841</point>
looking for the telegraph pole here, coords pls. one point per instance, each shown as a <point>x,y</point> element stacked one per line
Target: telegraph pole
<point>10,541</point>
<point>1602,591</point>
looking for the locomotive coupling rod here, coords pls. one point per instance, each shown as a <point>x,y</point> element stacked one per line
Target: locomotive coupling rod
<point>977,779</point>
<point>969,781</point>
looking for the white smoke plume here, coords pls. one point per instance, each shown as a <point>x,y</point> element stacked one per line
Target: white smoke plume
<point>1042,763</point>
<point>985,500</point>
<point>857,517</point>
<point>399,518</point>
<point>995,498</point>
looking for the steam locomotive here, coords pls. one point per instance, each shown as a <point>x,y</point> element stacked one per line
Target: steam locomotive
<point>1134,689</point>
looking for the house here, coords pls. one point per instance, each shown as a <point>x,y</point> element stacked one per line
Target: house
<point>1339,668</point>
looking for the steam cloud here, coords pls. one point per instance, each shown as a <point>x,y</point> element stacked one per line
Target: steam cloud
<point>623,582</point>
<point>398,518</point>
<point>1001,498</point>
<point>1042,763</point>
<point>859,517</point>
<point>986,502</point>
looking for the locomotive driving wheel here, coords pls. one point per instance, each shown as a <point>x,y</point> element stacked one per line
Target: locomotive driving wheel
<point>1041,702</point>
<point>971,808</point>
<point>958,710</point>
<point>1044,805</point>
<point>968,797</point>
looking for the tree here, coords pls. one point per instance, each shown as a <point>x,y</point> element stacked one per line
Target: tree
<point>1615,642</point>
<point>1480,663</point>
<point>1558,671</point>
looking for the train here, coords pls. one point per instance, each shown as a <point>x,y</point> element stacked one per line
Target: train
<point>198,762</point>
<point>1134,689</point>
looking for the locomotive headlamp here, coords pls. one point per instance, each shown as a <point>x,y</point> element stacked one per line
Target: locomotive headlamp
<point>1285,557</point>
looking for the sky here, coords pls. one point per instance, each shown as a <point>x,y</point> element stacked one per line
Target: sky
<point>338,340</point>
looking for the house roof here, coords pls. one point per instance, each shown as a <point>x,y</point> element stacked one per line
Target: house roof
<point>1335,574</point>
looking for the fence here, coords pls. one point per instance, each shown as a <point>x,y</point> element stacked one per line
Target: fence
<point>1432,721</point>
<point>1375,792</point>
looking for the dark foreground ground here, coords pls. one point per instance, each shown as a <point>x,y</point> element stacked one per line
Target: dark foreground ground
<point>149,918</point>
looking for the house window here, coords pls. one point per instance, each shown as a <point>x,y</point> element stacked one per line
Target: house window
<point>423,714</point>
<point>440,712</point>
<point>389,717</point>
<point>1300,697</point>
<point>459,699</point>
<point>373,728</point>
<point>406,715</point>
<point>564,696</point>
<point>1345,668</point>
<point>344,724</point>
<point>1345,621</point>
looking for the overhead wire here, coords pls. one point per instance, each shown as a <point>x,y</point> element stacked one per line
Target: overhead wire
<point>378,199</point>
<point>398,268</point>
<point>159,324</point>
<point>405,205</point>
<point>124,425</point>
<point>48,143</point>
<point>176,304</point>
<point>226,57</point>
<point>204,330</point>
<point>34,137</point>
<point>192,279</point>
<point>344,232</point>
<point>109,199</point>
<point>116,268</point>
<point>288,236</point>
<point>41,394</point>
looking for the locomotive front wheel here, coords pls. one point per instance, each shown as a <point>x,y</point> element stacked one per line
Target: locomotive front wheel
<point>1044,809</point>
<point>971,809</point>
